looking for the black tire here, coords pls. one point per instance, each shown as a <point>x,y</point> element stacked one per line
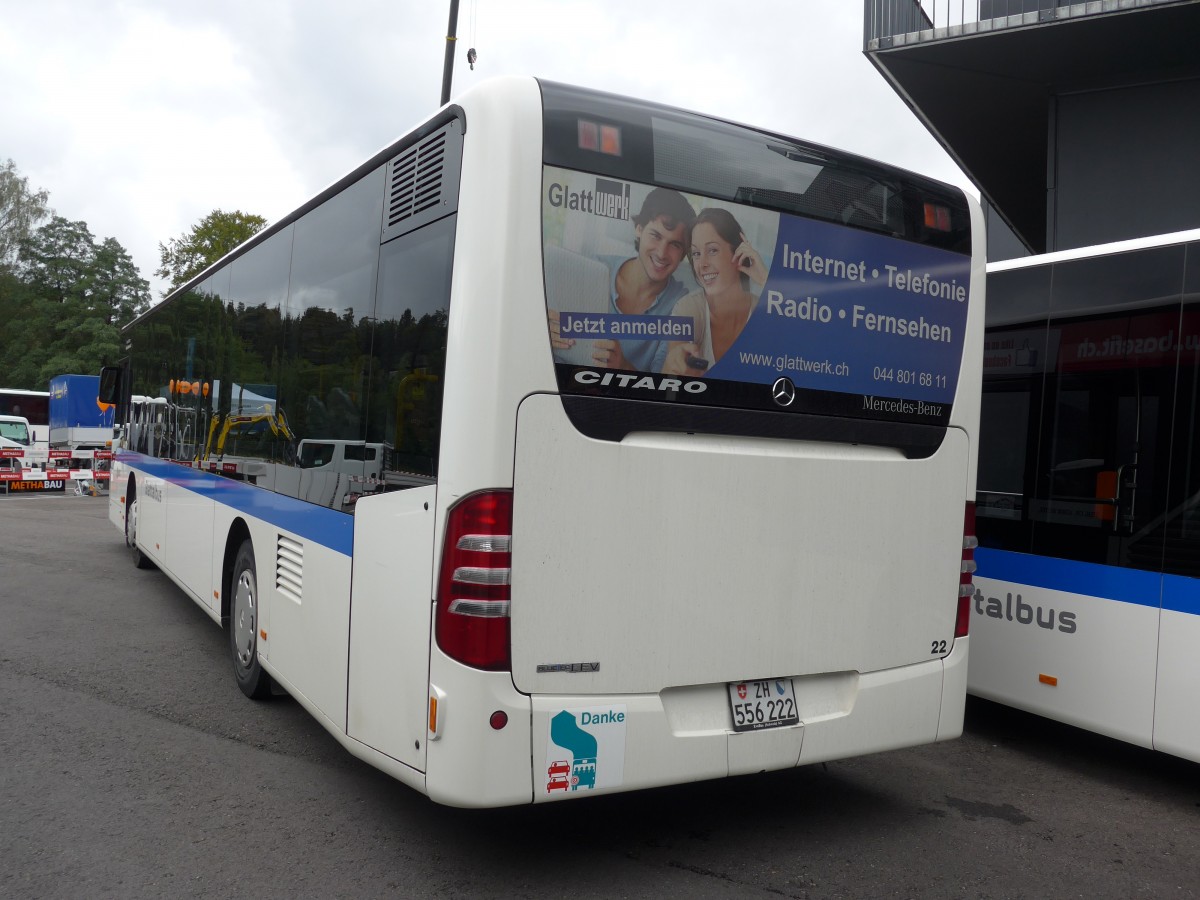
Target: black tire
<point>131,511</point>
<point>243,626</point>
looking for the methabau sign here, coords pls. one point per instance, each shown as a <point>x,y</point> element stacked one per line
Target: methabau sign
<point>25,487</point>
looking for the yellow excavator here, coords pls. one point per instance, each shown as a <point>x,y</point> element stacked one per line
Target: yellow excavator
<point>222,426</point>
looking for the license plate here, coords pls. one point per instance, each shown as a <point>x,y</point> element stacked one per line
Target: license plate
<point>763,704</point>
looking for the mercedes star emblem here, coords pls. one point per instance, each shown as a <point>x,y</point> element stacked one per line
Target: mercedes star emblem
<point>783,391</point>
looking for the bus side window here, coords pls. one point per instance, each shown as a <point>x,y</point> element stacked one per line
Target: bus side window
<point>410,357</point>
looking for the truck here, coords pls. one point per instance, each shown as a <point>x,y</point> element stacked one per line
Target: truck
<point>78,420</point>
<point>16,449</point>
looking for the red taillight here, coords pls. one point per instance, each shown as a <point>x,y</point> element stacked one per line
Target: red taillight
<point>473,588</point>
<point>966,589</point>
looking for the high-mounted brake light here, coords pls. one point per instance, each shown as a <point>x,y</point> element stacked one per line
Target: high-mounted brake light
<point>937,217</point>
<point>589,135</point>
<point>473,588</point>
<point>600,138</point>
<point>610,140</point>
<point>966,587</point>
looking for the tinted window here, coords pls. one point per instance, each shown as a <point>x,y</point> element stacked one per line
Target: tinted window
<point>260,277</point>
<point>670,147</point>
<point>239,377</point>
<point>315,453</point>
<point>1076,435</point>
<point>29,406</point>
<point>295,367</point>
<point>1097,284</point>
<point>1019,297</point>
<point>409,364</point>
<point>336,251</point>
<point>1180,532</point>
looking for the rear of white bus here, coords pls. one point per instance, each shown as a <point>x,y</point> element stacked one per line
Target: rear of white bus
<point>752,566</point>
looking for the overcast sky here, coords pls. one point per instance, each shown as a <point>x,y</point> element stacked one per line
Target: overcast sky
<point>142,116</point>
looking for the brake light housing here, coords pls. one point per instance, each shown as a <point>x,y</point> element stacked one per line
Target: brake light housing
<point>472,623</point>
<point>966,585</point>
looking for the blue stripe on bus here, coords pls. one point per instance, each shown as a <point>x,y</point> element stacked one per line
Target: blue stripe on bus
<point>310,521</point>
<point>1178,593</point>
<point>1181,594</point>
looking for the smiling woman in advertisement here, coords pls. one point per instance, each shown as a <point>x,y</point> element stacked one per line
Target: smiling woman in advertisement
<point>724,264</point>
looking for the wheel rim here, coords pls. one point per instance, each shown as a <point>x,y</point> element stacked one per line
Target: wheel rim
<point>131,525</point>
<point>244,613</point>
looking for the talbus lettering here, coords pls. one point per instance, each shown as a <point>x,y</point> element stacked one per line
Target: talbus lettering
<point>1023,613</point>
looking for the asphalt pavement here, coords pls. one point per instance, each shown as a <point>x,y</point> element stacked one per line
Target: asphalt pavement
<point>132,766</point>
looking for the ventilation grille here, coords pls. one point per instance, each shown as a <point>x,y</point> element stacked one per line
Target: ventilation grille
<point>422,182</point>
<point>289,568</point>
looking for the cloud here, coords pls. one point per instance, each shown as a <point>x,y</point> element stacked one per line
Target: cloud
<point>141,117</point>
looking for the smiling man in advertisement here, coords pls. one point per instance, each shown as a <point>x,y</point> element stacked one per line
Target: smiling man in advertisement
<point>642,285</point>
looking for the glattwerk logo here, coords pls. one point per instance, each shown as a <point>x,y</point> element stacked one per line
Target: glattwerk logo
<point>609,199</point>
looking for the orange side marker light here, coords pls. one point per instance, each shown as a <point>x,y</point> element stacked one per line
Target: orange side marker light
<point>1048,679</point>
<point>437,712</point>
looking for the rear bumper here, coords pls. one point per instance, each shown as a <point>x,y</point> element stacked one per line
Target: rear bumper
<point>583,745</point>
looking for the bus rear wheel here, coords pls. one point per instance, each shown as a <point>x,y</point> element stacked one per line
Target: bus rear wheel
<point>243,626</point>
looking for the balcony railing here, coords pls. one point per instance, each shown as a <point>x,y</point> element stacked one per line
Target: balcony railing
<point>895,23</point>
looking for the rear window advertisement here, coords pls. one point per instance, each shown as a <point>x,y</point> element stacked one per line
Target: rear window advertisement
<point>653,292</point>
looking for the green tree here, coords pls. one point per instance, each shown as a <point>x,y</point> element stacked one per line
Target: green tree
<point>119,292</point>
<point>57,260</point>
<point>73,295</point>
<point>20,210</point>
<point>23,334</point>
<point>185,257</point>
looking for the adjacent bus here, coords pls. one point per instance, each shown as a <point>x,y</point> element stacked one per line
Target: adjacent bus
<point>34,407</point>
<point>1087,601</point>
<point>574,444</point>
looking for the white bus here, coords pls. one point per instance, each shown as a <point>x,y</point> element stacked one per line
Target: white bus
<point>618,537</point>
<point>14,444</point>
<point>1087,602</point>
<point>33,406</point>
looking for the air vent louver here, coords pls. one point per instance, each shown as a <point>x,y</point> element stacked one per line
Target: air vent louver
<point>422,182</point>
<point>289,568</point>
